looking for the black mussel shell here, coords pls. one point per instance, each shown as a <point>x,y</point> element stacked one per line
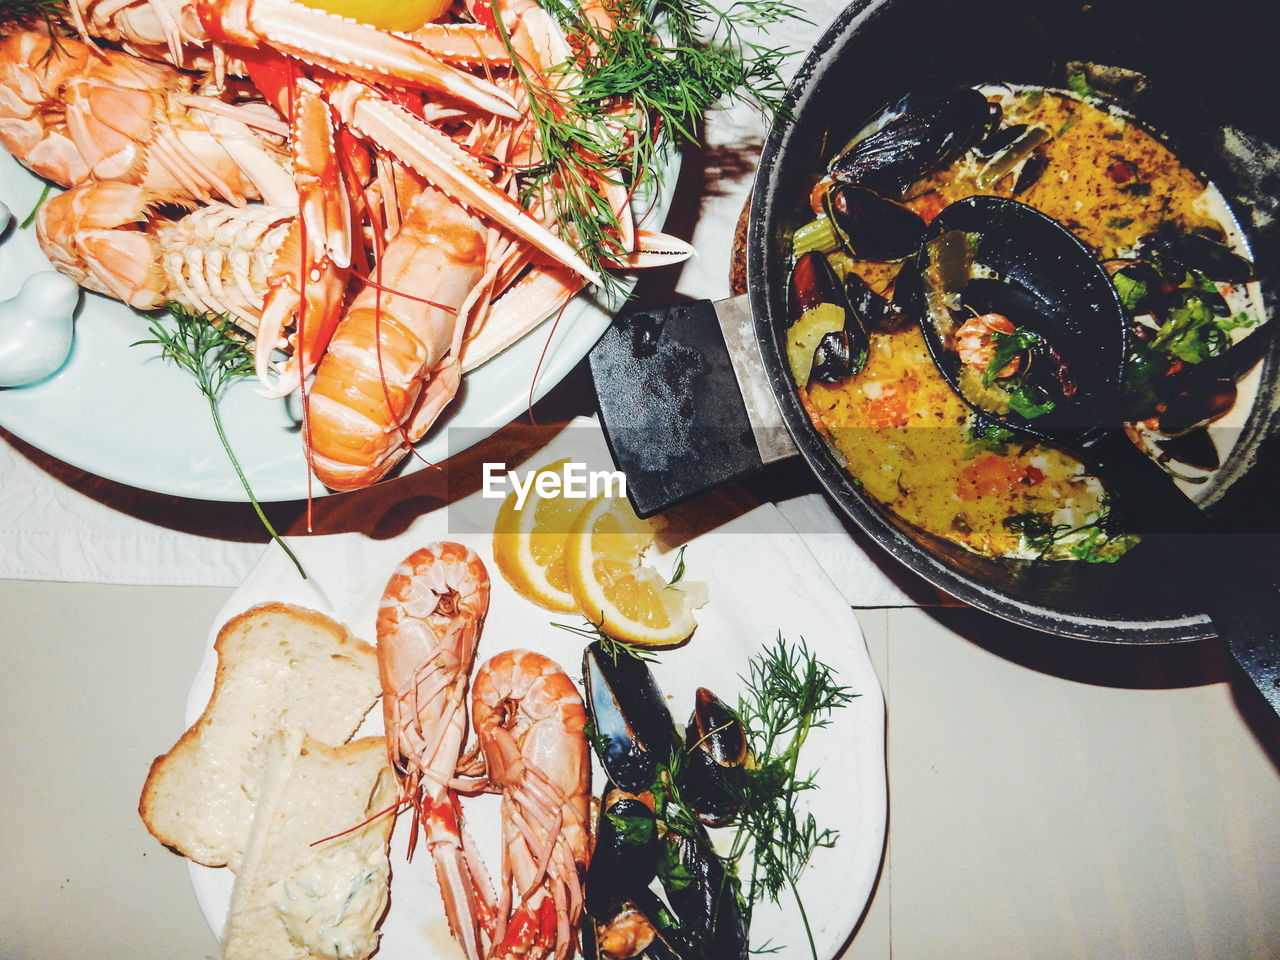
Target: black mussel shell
<point>642,926</point>
<point>1032,169</point>
<point>870,227</point>
<point>812,282</point>
<point>715,742</point>
<point>704,898</point>
<point>1187,410</point>
<point>1000,138</point>
<point>837,357</point>
<point>633,729</point>
<point>874,311</point>
<point>1171,247</point>
<point>625,858</point>
<point>915,143</point>
<point>1194,448</point>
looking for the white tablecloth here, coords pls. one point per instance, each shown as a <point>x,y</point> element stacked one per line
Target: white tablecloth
<point>59,523</point>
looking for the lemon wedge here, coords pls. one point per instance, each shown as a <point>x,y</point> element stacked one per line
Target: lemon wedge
<point>529,545</point>
<point>387,14</point>
<point>613,587</point>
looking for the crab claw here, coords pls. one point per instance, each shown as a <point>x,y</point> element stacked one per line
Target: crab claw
<point>346,47</point>
<point>433,155</point>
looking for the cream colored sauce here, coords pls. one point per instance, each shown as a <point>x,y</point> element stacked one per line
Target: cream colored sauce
<point>331,905</point>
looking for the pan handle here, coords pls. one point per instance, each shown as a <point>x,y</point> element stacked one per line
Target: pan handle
<point>1224,570</point>
<point>684,401</point>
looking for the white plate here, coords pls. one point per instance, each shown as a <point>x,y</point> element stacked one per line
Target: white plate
<point>121,412</point>
<point>762,580</point>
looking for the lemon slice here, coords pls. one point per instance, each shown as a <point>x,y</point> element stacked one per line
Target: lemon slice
<point>529,544</point>
<point>387,14</point>
<point>615,590</point>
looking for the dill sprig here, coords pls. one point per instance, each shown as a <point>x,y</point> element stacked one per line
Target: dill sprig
<point>206,347</point>
<point>24,13</point>
<point>614,647</point>
<point>636,89</point>
<point>789,694</point>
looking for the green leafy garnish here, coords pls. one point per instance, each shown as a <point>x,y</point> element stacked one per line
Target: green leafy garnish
<point>1079,84</point>
<point>672,59</point>
<point>611,645</point>
<point>1028,400</point>
<point>206,346</point>
<point>31,217</point>
<point>1190,333</point>
<point>789,694</point>
<point>1131,291</point>
<point>1143,369</point>
<point>678,573</point>
<point>1006,347</point>
<point>985,434</point>
<point>1038,531</point>
<point>1100,541</point>
<point>633,831</point>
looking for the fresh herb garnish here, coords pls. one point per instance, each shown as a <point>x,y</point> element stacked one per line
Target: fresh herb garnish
<point>1131,291</point>
<point>678,573</point>
<point>789,693</point>
<point>1006,346</point>
<point>986,434</point>
<point>1079,84</point>
<point>1100,541</point>
<point>207,348</point>
<point>637,87</point>
<point>611,645</point>
<point>1027,399</point>
<point>31,217</point>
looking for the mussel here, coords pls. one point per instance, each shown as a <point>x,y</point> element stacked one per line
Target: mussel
<point>641,926</point>
<point>1190,409</point>
<point>1195,448</point>
<point>633,731</point>
<point>825,340</point>
<point>705,898</point>
<point>870,227</point>
<point>715,743</point>
<point>914,143</point>
<point>625,858</point>
<point>1172,248</point>
<point>874,311</point>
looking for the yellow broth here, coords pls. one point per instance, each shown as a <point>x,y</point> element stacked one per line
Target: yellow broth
<point>905,434</point>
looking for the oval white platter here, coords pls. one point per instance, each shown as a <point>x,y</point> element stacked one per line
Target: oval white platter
<point>121,412</point>
<point>763,581</point>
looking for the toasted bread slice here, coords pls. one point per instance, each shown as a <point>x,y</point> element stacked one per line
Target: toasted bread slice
<point>315,874</point>
<point>279,667</point>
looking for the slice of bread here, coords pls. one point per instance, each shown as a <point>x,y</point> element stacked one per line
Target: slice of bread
<point>279,667</point>
<point>296,898</point>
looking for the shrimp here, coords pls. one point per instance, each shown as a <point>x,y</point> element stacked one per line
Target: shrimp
<point>976,346</point>
<point>529,722</point>
<point>392,364</point>
<point>429,623</point>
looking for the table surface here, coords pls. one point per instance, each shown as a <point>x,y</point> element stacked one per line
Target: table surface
<point>1047,798</point>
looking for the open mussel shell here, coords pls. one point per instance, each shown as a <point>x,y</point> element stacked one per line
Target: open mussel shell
<point>1191,409</point>
<point>1193,251</point>
<point>1194,448</point>
<point>1052,281</point>
<point>705,900</point>
<point>870,227</point>
<point>915,143</point>
<point>874,311</point>
<point>812,283</point>
<point>640,928</point>
<point>633,729</point>
<point>625,858</point>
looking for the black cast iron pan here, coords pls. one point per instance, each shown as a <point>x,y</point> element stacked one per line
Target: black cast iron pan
<point>666,386</point>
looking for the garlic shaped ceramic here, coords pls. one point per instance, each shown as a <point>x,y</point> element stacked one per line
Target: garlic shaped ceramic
<point>36,328</point>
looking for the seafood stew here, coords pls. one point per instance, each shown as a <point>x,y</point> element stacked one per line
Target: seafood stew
<point>1130,53</point>
<point>1125,197</point>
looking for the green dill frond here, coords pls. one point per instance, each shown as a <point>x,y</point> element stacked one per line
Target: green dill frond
<point>210,348</point>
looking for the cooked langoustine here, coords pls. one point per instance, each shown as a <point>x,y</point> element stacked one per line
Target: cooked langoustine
<point>530,721</point>
<point>364,109</point>
<point>429,623</point>
<point>393,363</point>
